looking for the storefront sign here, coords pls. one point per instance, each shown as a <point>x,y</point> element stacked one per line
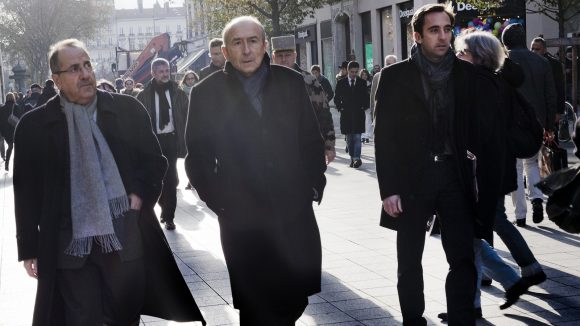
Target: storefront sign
<point>305,34</point>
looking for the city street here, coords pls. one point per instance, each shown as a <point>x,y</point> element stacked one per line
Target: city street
<point>359,262</point>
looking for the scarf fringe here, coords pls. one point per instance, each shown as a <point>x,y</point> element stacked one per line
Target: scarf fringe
<point>83,247</point>
<point>119,206</point>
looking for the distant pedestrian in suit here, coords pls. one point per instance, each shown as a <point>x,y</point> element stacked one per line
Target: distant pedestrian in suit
<point>352,100</point>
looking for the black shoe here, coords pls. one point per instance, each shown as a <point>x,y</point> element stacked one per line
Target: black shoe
<point>485,282</point>
<point>357,164</point>
<point>162,220</point>
<point>351,163</point>
<point>535,279</point>
<point>513,294</point>
<point>169,225</point>
<point>520,222</point>
<point>367,141</point>
<point>538,210</point>
<point>476,311</point>
<point>6,166</point>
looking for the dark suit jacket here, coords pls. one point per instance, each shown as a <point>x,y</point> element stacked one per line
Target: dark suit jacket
<point>42,200</point>
<point>258,172</point>
<point>403,130</point>
<point>351,103</point>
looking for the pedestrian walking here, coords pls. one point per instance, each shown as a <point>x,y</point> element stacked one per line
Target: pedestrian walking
<point>538,88</point>
<point>129,89</point>
<point>256,158</point>
<point>426,142</point>
<point>351,98</point>
<point>316,72</point>
<point>217,58</point>
<point>366,76</point>
<point>189,79</point>
<point>48,92</point>
<point>87,173</point>
<point>167,106</point>
<point>7,125</point>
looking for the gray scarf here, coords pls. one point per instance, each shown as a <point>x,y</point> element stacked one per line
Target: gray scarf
<point>254,85</point>
<point>435,76</point>
<point>97,192</point>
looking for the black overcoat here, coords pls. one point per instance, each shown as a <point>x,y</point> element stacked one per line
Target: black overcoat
<point>7,130</point>
<point>351,103</point>
<point>259,174</point>
<point>42,200</point>
<point>403,134</point>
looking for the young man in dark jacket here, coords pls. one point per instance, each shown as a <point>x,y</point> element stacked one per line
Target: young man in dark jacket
<point>426,123</point>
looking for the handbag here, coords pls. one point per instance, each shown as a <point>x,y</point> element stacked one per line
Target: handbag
<point>553,158</point>
<point>563,191</point>
<point>13,119</point>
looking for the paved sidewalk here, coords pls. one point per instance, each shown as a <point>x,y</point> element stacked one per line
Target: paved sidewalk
<point>359,262</point>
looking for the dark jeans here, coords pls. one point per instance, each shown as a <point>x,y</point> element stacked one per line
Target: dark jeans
<point>105,291</point>
<point>168,198</point>
<point>442,194</point>
<point>285,314</point>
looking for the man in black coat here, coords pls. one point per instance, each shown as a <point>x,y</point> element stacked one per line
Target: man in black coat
<point>426,114</point>
<point>256,158</point>
<point>217,58</point>
<point>87,173</point>
<point>167,106</point>
<point>352,99</point>
<point>47,92</point>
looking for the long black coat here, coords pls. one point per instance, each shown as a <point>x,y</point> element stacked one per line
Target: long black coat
<point>403,134</point>
<point>351,103</point>
<point>6,130</point>
<point>258,174</point>
<point>42,200</point>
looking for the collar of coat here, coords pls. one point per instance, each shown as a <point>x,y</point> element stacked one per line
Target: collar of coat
<point>105,104</point>
<point>229,68</point>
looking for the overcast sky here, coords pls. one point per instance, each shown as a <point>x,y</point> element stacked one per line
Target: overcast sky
<point>130,4</point>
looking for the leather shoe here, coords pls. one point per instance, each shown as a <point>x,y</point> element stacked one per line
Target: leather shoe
<point>535,279</point>
<point>520,222</point>
<point>357,164</point>
<point>476,311</point>
<point>351,163</point>
<point>513,294</point>
<point>537,211</point>
<point>169,225</point>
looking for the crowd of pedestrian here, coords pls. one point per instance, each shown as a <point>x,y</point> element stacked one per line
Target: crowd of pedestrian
<point>257,134</point>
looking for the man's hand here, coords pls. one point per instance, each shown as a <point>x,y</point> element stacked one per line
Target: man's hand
<point>330,155</point>
<point>392,205</point>
<point>548,135</point>
<point>31,267</point>
<point>136,202</point>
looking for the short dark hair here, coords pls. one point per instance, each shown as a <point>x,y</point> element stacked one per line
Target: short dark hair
<point>35,85</point>
<point>215,42</point>
<point>352,64</point>
<point>49,83</point>
<point>514,36</point>
<point>418,20</point>
<point>315,67</point>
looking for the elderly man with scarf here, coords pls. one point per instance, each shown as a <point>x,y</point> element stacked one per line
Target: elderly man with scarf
<point>428,135</point>
<point>256,158</point>
<point>167,106</point>
<point>87,174</point>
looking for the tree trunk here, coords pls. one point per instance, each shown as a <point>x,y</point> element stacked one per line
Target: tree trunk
<point>275,18</point>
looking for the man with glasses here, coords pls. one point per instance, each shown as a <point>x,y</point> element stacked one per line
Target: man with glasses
<point>217,58</point>
<point>167,106</point>
<point>87,173</point>
<point>130,88</point>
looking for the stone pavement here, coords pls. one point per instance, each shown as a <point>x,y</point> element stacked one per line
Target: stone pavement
<point>359,262</point>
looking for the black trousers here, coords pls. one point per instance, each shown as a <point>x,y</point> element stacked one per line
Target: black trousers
<point>285,314</point>
<point>442,194</point>
<point>168,198</point>
<point>105,291</point>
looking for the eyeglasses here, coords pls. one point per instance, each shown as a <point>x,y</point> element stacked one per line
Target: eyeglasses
<point>76,69</point>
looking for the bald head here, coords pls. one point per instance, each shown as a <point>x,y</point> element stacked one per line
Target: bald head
<point>244,22</point>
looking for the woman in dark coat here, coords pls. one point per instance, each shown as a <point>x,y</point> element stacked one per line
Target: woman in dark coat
<point>7,127</point>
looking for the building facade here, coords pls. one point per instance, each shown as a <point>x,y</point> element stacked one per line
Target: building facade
<point>368,30</point>
<point>130,30</point>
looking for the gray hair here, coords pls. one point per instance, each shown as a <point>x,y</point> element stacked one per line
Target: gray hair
<point>159,62</point>
<point>58,46</point>
<point>485,48</point>
<point>241,19</point>
<point>390,56</point>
